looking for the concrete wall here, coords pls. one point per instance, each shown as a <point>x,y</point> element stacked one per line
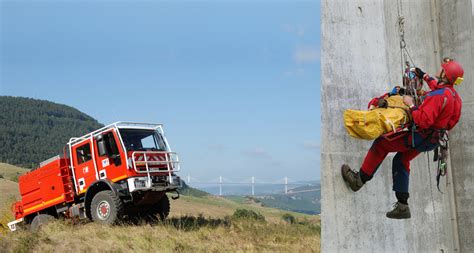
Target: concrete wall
<point>455,40</point>
<point>361,60</point>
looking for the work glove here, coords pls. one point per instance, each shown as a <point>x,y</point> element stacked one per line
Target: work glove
<point>397,90</point>
<point>419,73</point>
<point>394,91</point>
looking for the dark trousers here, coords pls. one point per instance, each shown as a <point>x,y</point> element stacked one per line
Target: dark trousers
<point>401,162</point>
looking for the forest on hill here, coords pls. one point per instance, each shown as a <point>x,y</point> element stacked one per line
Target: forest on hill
<point>34,130</point>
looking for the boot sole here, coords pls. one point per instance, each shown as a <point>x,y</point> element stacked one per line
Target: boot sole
<point>399,217</point>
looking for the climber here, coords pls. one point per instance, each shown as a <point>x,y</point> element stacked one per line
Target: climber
<point>440,111</point>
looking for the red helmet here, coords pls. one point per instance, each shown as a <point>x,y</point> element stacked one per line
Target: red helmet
<point>453,71</point>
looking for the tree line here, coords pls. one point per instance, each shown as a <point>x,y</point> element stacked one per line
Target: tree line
<point>34,130</point>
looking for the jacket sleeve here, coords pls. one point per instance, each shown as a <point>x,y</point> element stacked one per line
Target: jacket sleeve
<point>374,102</point>
<point>426,114</point>
<point>432,82</point>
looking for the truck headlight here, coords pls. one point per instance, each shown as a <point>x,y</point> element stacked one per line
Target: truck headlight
<point>140,183</point>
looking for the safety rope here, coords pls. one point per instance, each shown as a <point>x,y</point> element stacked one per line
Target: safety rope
<point>403,45</point>
<point>404,53</point>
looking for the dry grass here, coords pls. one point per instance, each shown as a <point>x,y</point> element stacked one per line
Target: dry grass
<point>247,236</point>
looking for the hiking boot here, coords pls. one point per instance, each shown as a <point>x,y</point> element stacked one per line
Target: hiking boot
<point>400,211</point>
<point>351,178</point>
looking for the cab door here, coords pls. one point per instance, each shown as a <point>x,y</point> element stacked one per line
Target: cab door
<point>111,161</point>
<point>85,171</point>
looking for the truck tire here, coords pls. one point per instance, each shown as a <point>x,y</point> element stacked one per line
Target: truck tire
<point>40,220</point>
<point>106,207</point>
<point>162,208</point>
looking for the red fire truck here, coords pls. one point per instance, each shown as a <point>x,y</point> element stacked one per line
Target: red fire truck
<point>121,170</point>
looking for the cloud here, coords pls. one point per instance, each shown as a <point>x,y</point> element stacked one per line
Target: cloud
<point>306,54</point>
<point>257,153</point>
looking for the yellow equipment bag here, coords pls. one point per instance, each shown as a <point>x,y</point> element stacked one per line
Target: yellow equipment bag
<point>371,124</point>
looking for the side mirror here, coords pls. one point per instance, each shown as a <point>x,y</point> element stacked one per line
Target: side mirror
<point>101,145</point>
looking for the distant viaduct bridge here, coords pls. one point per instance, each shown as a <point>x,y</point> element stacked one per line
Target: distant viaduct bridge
<point>220,181</point>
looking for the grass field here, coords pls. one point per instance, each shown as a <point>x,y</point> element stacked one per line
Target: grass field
<point>196,224</point>
<point>207,235</point>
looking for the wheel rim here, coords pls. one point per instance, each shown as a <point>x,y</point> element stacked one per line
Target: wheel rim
<point>103,210</point>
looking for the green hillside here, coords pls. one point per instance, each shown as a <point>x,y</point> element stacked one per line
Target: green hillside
<point>185,189</point>
<point>303,199</point>
<point>34,130</point>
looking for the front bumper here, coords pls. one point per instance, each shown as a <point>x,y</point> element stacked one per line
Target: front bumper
<point>154,183</point>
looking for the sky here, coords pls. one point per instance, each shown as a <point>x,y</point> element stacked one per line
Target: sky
<point>235,83</point>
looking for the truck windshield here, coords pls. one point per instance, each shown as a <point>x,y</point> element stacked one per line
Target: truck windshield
<point>142,140</point>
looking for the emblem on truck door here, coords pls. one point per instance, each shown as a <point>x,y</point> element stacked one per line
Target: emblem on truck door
<point>105,162</point>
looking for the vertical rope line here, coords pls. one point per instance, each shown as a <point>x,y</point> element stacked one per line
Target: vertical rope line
<point>400,34</point>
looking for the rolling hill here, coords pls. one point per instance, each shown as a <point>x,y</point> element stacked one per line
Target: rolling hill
<point>35,130</point>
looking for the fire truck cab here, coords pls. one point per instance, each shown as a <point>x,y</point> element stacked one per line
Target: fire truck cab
<point>121,170</point>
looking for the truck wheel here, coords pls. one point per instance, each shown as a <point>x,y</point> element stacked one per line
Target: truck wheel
<point>162,208</point>
<point>39,221</point>
<point>106,207</point>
